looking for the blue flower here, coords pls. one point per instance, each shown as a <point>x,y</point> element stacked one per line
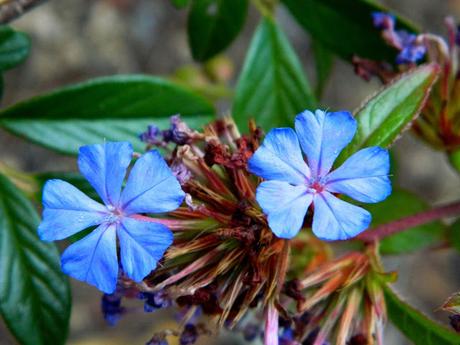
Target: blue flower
<point>291,185</point>
<point>150,188</point>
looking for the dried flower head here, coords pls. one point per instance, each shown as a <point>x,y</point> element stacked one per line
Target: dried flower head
<point>224,259</point>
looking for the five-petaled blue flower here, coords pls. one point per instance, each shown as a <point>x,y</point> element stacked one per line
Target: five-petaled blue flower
<point>292,185</point>
<point>150,188</point>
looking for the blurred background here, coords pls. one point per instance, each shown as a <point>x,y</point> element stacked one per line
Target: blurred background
<point>73,40</point>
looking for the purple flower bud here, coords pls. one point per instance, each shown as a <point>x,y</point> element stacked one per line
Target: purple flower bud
<point>111,308</point>
<point>287,337</point>
<point>410,51</point>
<point>155,300</point>
<point>383,21</point>
<point>152,136</point>
<point>189,335</point>
<point>251,331</point>
<point>411,54</point>
<point>179,132</point>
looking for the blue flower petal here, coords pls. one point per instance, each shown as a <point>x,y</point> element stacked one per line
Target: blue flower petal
<point>104,166</point>
<point>285,206</point>
<point>93,259</point>
<point>363,176</point>
<point>280,158</point>
<point>335,219</point>
<point>151,187</point>
<point>66,211</point>
<point>323,136</point>
<point>142,245</point>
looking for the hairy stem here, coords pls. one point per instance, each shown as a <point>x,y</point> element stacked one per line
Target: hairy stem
<point>384,230</point>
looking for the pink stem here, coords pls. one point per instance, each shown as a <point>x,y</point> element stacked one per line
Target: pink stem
<point>271,325</point>
<point>385,230</point>
<point>172,224</point>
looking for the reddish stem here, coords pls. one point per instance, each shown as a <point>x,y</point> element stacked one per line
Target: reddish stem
<point>384,230</point>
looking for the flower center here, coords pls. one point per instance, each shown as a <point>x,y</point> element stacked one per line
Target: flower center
<point>316,187</point>
<point>115,214</point>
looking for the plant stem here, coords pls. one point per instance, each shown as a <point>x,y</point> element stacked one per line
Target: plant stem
<point>385,230</point>
<point>12,9</point>
<point>271,325</point>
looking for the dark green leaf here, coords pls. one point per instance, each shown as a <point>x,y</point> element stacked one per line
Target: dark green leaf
<point>324,61</point>
<point>14,47</point>
<point>345,26</point>
<point>272,87</point>
<point>34,294</point>
<point>180,3</point>
<point>112,108</point>
<point>382,119</point>
<point>213,25</point>
<point>400,204</point>
<point>416,326</point>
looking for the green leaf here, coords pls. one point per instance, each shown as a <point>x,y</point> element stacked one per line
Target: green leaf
<point>112,108</point>
<point>345,26</point>
<point>180,3</point>
<point>382,119</point>
<point>14,47</point>
<point>324,61</point>
<point>416,326</point>
<point>34,294</point>
<point>400,204</point>
<point>272,87</point>
<point>213,25</point>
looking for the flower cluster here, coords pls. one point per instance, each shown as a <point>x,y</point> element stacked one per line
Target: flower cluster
<point>199,230</point>
<point>411,48</point>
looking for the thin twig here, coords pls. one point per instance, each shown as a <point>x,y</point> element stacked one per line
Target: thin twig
<point>13,9</point>
<point>384,230</point>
